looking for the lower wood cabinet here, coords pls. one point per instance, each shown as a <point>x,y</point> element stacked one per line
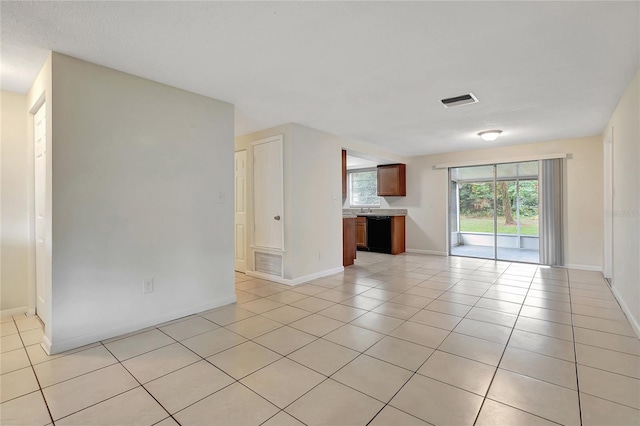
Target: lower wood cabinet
<point>397,234</point>
<point>348,240</point>
<point>361,232</point>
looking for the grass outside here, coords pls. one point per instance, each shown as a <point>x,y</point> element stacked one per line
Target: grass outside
<point>528,225</point>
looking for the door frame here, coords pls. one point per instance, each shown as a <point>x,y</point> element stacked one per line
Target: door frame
<point>45,316</point>
<point>235,200</point>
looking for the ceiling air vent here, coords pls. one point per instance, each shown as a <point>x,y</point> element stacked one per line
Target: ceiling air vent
<point>469,98</point>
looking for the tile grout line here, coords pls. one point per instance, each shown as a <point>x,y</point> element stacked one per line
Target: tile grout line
<point>435,350</point>
<point>329,377</point>
<point>139,383</point>
<point>575,350</point>
<point>334,303</point>
<point>504,351</point>
<point>238,381</point>
<point>33,370</point>
<point>422,364</point>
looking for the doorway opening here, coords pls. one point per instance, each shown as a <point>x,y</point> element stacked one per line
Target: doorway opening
<point>494,211</point>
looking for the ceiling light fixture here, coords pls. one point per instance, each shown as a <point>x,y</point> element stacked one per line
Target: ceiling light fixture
<point>490,135</point>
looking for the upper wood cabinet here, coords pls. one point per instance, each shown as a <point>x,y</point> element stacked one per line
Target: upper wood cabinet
<point>392,180</point>
<point>344,174</point>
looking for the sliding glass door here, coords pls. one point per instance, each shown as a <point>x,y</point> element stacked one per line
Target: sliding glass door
<point>517,189</point>
<point>493,212</point>
<point>472,212</point>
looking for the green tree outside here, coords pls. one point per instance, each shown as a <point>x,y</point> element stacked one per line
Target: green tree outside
<point>476,207</point>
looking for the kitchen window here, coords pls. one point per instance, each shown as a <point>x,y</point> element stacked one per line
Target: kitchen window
<point>363,188</point>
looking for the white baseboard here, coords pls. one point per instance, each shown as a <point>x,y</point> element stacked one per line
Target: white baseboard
<point>632,320</point>
<point>46,344</point>
<point>296,281</point>
<point>433,252</point>
<point>583,267</point>
<point>53,348</point>
<point>14,311</point>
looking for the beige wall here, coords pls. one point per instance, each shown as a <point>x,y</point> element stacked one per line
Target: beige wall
<point>14,221</point>
<point>312,200</point>
<point>137,169</point>
<point>625,123</point>
<point>427,196</point>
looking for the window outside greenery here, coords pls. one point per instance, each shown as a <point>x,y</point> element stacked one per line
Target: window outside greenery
<point>476,207</point>
<point>363,187</point>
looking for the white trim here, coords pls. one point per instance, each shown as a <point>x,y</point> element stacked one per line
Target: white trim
<point>501,160</point>
<point>296,281</point>
<point>267,249</point>
<point>432,252</point>
<point>46,344</point>
<point>583,267</point>
<point>632,320</point>
<point>14,311</point>
<point>53,348</point>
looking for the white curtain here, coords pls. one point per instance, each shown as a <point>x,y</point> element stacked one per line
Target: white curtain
<point>550,212</point>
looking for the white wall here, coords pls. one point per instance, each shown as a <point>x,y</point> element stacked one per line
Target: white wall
<point>316,172</point>
<point>626,203</point>
<point>427,198</point>
<point>312,201</point>
<point>137,166</point>
<point>14,219</point>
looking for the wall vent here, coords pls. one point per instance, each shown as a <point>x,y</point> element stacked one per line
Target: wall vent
<point>469,98</point>
<point>268,263</point>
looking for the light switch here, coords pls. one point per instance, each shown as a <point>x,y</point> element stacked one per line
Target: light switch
<point>221,197</point>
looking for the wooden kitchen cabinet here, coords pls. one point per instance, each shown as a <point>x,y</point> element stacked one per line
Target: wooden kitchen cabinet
<point>348,240</point>
<point>397,234</point>
<point>392,180</point>
<point>361,232</point>
<point>344,174</point>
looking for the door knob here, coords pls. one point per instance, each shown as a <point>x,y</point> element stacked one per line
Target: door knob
<point>277,217</point>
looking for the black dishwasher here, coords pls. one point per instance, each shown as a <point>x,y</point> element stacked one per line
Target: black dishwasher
<point>379,234</point>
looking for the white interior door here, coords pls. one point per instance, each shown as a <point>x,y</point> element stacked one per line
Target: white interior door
<point>608,205</point>
<point>241,210</point>
<point>268,193</point>
<point>40,191</point>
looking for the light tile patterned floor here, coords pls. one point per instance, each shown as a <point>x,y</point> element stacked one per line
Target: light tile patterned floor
<point>394,340</point>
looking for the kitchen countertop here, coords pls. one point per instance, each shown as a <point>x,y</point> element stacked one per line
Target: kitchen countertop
<point>374,212</point>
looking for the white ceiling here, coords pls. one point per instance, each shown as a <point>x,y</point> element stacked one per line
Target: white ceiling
<point>372,71</point>
<point>360,163</point>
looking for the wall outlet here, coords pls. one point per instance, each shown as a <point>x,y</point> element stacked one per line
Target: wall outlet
<point>147,286</point>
